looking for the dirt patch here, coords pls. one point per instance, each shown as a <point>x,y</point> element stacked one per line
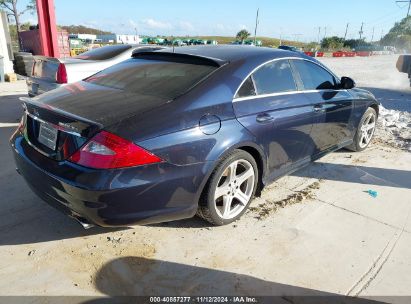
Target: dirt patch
<point>82,261</point>
<point>263,210</point>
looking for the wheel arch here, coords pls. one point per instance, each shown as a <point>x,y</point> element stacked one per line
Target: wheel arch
<point>253,149</point>
<point>376,107</point>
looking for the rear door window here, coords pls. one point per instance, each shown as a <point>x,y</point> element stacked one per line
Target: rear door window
<point>274,77</point>
<point>247,89</point>
<point>313,76</point>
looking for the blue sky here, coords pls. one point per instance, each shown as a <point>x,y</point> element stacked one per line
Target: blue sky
<point>292,19</point>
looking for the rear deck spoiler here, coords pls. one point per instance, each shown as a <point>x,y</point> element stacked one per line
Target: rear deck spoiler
<point>67,122</point>
<point>181,58</point>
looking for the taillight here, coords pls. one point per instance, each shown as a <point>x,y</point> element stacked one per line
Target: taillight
<point>32,69</point>
<point>61,76</point>
<point>109,151</point>
<point>20,128</point>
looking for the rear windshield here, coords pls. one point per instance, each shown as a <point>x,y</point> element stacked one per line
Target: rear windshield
<point>104,53</point>
<point>161,79</point>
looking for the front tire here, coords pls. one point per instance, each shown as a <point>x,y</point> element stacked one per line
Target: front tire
<point>365,131</point>
<point>230,189</point>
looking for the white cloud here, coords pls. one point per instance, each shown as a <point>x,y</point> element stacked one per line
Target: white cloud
<point>132,23</point>
<point>185,26</point>
<point>152,24</point>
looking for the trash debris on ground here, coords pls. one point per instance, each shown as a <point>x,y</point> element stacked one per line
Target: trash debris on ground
<point>373,193</point>
<point>394,128</point>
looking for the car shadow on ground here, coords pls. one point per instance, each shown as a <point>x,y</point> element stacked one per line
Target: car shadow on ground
<point>137,276</point>
<point>399,99</point>
<point>357,174</point>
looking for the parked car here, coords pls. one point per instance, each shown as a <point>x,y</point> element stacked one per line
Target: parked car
<point>165,135</point>
<point>404,65</point>
<point>289,48</point>
<point>50,73</point>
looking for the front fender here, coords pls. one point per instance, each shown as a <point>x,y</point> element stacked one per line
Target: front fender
<point>363,99</point>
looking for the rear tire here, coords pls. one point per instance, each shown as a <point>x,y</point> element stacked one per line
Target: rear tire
<point>365,131</point>
<point>230,189</point>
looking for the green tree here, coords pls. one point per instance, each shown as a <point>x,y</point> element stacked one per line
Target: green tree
<point>400,35</point>
<point>243,35</point>
<point>10,6</point>
<point>332,43</point>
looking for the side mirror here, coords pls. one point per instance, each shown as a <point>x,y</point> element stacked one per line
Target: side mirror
<point>347,83</point>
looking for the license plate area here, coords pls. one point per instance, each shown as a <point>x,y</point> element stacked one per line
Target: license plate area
<point>48,135</point>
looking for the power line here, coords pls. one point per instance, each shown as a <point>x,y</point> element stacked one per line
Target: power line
<point>409,5</point>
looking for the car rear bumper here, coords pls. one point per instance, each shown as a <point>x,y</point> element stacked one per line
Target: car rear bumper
<point>37,86</point>
<point>123,197</point>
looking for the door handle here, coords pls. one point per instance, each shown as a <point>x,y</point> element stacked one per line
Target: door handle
<point>319,108</point>
<point>264,117</point>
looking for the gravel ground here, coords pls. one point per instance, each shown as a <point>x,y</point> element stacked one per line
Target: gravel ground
<point>316,232</point>
<point>379,75</point>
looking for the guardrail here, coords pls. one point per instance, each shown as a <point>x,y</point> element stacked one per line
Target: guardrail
<point>340,54</point>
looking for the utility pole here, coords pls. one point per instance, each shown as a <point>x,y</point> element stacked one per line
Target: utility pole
<point>346,31</point>
<point>281,36</point>
<point>361,30</point>
<point>325,31</point>
<point>409,5</point>
<point>256,25</point>
<point>319,33</point>
<point>373,32</point>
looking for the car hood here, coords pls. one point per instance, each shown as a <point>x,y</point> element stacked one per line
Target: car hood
<point>103,105</point>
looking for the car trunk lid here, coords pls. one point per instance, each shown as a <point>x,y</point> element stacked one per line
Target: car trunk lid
<point>53,69</point>
<point>59,122</point>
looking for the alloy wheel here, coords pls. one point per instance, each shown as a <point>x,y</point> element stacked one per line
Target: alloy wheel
<point>367,130</point>
<point>234,189</point>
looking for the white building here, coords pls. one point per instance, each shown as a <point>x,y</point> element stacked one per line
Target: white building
<point>120,39</point>
<point>87,37</point>
<point>6,54</point>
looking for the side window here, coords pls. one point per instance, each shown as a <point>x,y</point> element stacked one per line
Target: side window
<point>247,89</point>
<point>313,76</point>
<point>274,77</point>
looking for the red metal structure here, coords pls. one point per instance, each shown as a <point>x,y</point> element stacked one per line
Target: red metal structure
<point>47,28</point>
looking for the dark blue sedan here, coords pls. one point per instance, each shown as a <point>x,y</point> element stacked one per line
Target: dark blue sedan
<point>197,130</point>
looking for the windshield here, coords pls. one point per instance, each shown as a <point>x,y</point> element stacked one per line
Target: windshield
<point>104,53</point>
<point>162,79</point>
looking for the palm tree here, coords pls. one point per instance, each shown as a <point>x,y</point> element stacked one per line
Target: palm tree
<point>243,35</point>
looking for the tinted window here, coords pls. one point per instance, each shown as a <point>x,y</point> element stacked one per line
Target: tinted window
<point>313,76</point>
<point>104,53</point>
<point>150,77</point>
<point>274,77</point>
<point>247,89</point>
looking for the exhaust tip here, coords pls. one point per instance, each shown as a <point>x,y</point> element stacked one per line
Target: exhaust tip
<point>82,221</point>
